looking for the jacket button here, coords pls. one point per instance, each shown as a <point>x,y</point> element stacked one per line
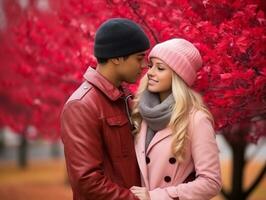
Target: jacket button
<point>167,179</point>
<point>172,160</point>
<point>148,160</point>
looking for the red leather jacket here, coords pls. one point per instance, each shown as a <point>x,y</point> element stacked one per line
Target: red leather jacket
<point>98,144</point>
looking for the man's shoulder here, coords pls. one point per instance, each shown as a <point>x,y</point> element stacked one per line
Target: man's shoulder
<point>80,92</point>
<point>82,100</point>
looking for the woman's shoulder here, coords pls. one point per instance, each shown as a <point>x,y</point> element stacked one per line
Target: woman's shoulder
<point>199,118</point>
<point>200,126</point>
<point>196,114</point>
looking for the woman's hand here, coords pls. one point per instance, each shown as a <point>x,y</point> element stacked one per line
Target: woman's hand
<point>141,192</point>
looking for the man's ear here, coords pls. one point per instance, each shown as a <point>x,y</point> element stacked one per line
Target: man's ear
<point>116,61</point>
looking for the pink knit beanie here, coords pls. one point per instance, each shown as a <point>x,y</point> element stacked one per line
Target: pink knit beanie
<point>181,56</point>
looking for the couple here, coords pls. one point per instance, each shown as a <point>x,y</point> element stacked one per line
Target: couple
<point>172,153</point>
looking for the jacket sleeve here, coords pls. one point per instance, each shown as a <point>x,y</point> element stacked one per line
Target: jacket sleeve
<point>205,155</point>
<point>81,135</point>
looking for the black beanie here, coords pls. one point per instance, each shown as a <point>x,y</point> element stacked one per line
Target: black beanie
<point>119,37</point>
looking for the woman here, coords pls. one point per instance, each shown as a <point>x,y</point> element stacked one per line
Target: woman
<point>174,129</point>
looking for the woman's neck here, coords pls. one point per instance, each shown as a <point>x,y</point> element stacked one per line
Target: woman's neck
<point>164,95</point>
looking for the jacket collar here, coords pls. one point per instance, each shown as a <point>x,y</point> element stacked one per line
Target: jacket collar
<point>105,86</point>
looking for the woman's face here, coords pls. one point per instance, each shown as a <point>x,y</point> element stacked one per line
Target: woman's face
<point>160,77</point>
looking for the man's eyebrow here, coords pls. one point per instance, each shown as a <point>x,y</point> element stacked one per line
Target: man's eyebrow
<point>142,54</point>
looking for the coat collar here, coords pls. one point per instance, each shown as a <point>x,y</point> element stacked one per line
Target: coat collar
<point>160,135</point>
<point>105,86</point>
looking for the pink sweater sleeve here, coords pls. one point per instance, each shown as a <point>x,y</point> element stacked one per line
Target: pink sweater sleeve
<point>205,155</point>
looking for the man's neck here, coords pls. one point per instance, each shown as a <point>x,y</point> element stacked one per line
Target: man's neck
<point>109,73</point>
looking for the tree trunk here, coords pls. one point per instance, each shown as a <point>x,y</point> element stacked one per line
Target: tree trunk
<point>2,142</point>
<point>55,150</point>
<point>238,150</point>
<point>22,152</point>
<point>238,168</point>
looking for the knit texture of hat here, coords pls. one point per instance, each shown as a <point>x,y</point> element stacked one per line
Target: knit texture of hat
<point>181,56</point>
<point>119,37</point>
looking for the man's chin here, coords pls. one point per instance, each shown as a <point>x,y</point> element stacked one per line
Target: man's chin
<point>131,81</point>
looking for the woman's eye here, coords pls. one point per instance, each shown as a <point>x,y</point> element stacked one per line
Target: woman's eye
<point>149,65</point>
<point>160,68</point>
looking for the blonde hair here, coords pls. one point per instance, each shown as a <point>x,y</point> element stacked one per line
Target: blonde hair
<point>186,99</point>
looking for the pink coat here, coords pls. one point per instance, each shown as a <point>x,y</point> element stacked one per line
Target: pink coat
<point>163,175</point>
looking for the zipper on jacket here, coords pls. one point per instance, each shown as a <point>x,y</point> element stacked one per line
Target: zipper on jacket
<point>128,111</point>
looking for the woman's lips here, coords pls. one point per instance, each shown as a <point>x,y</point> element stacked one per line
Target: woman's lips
<point>151,81</point>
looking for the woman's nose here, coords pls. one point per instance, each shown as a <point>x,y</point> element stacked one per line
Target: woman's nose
<point>151,71</point>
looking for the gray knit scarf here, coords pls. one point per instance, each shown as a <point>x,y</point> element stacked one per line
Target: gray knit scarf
<point>155,113</point>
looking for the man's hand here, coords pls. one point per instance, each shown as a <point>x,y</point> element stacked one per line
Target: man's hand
<point>141,192</point>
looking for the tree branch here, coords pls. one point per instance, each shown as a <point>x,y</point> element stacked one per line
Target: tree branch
<point>143,21</point>
<point>225,194</point>
<point>140,17</point>
<point>257,181</point>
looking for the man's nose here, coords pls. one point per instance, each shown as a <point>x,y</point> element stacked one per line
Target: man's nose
<point>144,64</point>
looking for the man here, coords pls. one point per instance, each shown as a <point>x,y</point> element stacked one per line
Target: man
<point>96,129</point>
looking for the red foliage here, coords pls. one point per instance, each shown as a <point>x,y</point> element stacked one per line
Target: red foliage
<point>45,53</point>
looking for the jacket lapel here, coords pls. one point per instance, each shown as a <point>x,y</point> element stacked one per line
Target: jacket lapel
<point>160,135</point>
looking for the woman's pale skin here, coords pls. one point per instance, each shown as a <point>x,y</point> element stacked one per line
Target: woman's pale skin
<point>159,81</point>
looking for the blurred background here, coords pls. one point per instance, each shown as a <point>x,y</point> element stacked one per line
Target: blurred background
<point>46,46</point>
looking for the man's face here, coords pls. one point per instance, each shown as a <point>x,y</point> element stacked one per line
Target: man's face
<point>130,68</point>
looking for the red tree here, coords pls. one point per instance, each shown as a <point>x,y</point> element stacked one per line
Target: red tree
<point>47,50</point>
